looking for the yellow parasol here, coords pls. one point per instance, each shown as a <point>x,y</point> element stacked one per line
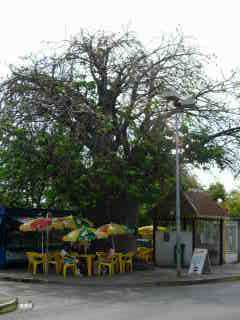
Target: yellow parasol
<point>62,223</point>
<point>111,229</point>
<point>82,234</point>
<point>148,230</point>
<point>40,224</point>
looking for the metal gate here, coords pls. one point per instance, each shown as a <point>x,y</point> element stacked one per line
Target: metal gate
<point>230,241</point>
<point>207,236</point>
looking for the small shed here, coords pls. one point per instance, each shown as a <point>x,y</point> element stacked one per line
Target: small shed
<point>204,224</point>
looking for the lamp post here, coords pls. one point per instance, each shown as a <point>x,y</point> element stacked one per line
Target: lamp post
<point>178,213</point>
<point>174,101</point>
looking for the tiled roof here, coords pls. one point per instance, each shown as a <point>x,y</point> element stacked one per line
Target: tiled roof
<point>203,205</point>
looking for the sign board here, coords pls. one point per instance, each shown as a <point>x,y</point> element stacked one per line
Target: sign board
<point>200,262</point>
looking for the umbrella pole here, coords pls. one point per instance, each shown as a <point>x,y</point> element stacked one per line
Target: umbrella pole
<point>47,239</point>
<point>113,244</point>
<point>46,253</point>
<point>42,244</point>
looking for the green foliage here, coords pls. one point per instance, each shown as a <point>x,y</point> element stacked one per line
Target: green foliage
<point>230,201</point>
<point>217,191</point>
<point>201,151</point>
<point>88,126</point>
<point>189,182</point>
<point>144,219</point>
<point>232,204</point>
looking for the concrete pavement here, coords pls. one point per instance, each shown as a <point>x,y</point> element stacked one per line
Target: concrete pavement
<point>139,295</point>
<point>200,302</point>
<point>153,277</point>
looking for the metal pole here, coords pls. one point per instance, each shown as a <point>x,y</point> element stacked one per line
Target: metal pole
<point>47,239</point>
<point>42,244</point>
<point>178,213</point>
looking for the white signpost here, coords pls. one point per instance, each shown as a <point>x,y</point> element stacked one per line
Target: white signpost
<point>200,262</point>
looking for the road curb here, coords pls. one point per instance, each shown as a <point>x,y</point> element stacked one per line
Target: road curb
<point>198,281</point>
<point>9,305</point>
<point>170,283</point>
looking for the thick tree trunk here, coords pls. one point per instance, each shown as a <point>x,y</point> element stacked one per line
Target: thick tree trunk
<point>122,211</point>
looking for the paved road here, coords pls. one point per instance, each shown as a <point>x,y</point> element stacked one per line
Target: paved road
<point>218,301</point>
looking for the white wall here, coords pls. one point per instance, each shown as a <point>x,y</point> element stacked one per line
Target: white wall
<point>165,249</point>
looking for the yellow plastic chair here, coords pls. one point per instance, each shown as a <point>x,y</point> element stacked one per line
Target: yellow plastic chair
<point>55,259</point>
<point>110,264</point>
<point>100,254</point>
<point>145,254</point>
<point>119,265</point>
<point>141,250</point>
<point>69,265</point>
<point>34,260</point>
<point>127,262</point>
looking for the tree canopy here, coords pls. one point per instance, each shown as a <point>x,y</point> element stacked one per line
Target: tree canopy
<point>232,203</point>
<point>217,191</point>
<point>88,125</point>
<point>229,200</point>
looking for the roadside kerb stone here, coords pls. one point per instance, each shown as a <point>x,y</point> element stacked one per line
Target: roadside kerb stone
<point>8,304</point>
<point>111,282</point>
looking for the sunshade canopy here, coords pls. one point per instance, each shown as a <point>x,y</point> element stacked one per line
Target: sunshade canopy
<point>82,234</point>
<point>111,229</point>
<point>148,230</point>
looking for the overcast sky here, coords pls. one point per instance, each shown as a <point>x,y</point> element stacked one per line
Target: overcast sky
<point>215,25</point>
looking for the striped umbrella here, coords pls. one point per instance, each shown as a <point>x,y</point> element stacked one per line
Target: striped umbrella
<point>147,231</point>
<point>84,233</point>
<point>39,224</point>
<point>111,229</point>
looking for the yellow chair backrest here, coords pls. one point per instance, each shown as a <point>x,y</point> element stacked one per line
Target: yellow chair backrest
<point>33,256</point>
<point>106,259</point>
<point>101,254</point>
<point>142,249</point>
<point>114,259</point>
<point>128,256</point>
<point>73,253</point>
<point>54,256</point>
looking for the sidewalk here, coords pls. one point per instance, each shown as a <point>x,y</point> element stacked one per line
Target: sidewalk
<point>155,277</point>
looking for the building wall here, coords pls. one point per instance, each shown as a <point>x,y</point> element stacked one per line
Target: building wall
<point>165,249</point>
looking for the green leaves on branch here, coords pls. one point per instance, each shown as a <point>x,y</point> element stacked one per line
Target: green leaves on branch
<point>89,124</point>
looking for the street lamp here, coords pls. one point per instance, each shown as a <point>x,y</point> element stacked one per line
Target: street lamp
<point>174,101</point>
